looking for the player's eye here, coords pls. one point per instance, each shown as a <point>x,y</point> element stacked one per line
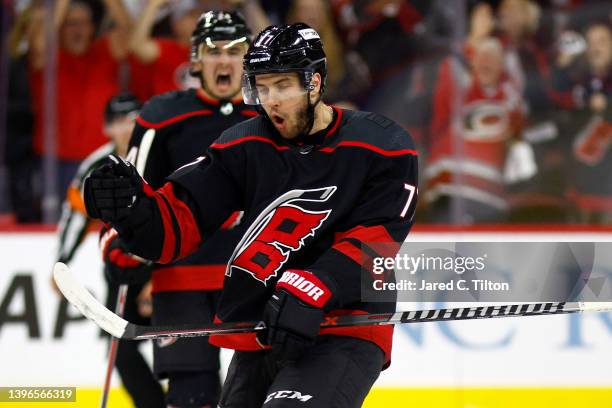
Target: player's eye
<point>283,87</point>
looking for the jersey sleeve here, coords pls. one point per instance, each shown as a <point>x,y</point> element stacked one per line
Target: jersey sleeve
<point>171,222</point>
<point>146,151</point>
<point>377,226</point>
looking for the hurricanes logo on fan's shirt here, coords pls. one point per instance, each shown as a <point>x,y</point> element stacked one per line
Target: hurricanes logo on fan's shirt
<point>277,231</point>
<point>593,141</point>
<point>485,121</point>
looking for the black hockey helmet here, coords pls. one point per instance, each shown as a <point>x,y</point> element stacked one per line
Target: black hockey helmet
<point>121,105</point>
<point>288,48</point>
<point>219,26</point>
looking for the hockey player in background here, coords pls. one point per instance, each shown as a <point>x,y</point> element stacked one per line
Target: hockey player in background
<point>316,184</point>
<point>172,130</point>
<point>119,116</point>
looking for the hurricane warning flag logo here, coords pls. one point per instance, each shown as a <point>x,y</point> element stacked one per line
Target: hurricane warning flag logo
<point>280,229</point>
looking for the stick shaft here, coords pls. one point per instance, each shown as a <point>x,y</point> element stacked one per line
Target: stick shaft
<point>112,353</point>
<point>135,332</point>
<point>120,328</point>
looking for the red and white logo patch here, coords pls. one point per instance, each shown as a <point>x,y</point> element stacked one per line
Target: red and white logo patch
<point>279,230</point>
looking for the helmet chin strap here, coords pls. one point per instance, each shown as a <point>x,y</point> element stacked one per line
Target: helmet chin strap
<point>310,111</point>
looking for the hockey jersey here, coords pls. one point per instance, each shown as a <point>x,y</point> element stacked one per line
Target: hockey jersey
<point>316,204</point>
<point>172,130</point>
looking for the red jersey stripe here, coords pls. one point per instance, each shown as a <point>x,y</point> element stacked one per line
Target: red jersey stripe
<point>169,236</point>
<point>338,120</point>
<point>231,221</point>
<point>190,235</point>
<point>349,250</point>
<point>248,139</point>
<point>205,98</point>
<point>376,233</point>
<point>373,148</point>
<point>188,277</point>
<point>175,119</point>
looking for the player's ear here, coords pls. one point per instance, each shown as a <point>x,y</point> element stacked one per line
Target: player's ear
<point>195,67</point>
<point>315,85</point>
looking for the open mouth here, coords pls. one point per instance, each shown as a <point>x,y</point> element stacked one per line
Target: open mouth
<point>223,80</point>
<point>277,120</point>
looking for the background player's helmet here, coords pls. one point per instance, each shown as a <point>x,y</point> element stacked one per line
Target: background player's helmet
<point>121,105</point>
<point>218,26</point>
<point>289,48</point>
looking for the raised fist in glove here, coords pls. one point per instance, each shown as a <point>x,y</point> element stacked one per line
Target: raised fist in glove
<point>112,189</point>
<point>294,313</point>
<point>120,266</point>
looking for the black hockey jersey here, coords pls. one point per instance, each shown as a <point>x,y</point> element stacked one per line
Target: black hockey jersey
<point>172,130</point>
<point>313,204</point>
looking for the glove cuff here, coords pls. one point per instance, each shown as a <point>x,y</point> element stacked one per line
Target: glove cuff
<point>305,286</point>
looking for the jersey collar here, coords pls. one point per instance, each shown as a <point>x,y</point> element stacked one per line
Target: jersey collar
<point>319,137</point>
<point>213,101</point>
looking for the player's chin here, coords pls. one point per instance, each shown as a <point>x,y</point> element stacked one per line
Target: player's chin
<point>224,86</point>
<point>284,131</point>
<point>224,92</point>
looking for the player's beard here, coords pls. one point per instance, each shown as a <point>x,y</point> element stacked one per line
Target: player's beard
<point>303,121</point>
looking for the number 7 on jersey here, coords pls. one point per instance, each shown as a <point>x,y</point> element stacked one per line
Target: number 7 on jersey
<point>412,189</point>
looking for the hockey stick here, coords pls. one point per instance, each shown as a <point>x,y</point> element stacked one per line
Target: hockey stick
<point>112,354</point>
<point>120,328</point>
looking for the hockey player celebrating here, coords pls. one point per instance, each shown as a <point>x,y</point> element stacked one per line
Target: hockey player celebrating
<point>317,184</point>
<point>172,130</point>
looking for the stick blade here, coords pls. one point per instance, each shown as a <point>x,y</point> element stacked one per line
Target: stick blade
<point>84,301</point>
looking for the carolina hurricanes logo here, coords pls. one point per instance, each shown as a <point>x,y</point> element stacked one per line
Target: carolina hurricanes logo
<point>281,228</point>
<point>593,141</point>
<point>485,121</point>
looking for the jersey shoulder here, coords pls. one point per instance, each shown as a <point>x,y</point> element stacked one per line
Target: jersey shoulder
<point>255,128</point>
<point>374,130</point>
<point>170,107</point>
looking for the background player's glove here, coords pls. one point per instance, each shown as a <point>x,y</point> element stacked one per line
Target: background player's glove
<point>112,189</point>
<point>119,265</point>
<point>294,313</point>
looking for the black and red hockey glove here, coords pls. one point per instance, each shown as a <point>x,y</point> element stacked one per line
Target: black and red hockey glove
<point>294,313</point>
<point>111,190</point>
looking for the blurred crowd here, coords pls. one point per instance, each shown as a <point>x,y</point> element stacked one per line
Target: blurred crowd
<point>509,101</point>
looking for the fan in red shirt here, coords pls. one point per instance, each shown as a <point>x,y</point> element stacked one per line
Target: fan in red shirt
<point>162,64</point>
<point>469,147</point>
<point>87,76</point>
